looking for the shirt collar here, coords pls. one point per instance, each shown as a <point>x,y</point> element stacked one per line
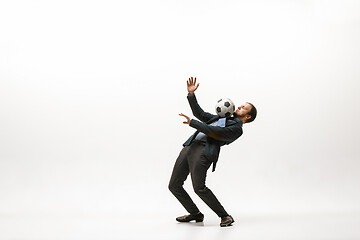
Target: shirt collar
<point>237,120</point>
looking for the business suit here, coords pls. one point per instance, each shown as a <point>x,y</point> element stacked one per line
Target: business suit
<point>197,156</point>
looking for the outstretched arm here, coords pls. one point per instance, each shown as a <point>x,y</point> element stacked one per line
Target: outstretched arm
<point>195,107</point>
<point>227,134</point>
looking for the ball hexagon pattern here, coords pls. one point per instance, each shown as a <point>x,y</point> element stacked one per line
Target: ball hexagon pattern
<point>225,107</point>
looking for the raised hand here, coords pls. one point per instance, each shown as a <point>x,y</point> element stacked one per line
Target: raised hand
<point>187,118</point>
<point>191,85</point>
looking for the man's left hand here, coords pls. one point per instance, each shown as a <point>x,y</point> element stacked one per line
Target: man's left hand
<point>187,118</point>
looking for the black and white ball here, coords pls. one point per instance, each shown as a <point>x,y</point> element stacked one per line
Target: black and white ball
<point>225,107</point>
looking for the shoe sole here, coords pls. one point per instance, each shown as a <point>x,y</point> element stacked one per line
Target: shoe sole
<point>192,220</point>
<point>227,224</point>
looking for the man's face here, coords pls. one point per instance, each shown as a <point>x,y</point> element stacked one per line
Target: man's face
<point>243,110</point>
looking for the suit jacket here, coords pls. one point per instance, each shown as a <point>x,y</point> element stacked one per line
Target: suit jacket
<point>216,136</point>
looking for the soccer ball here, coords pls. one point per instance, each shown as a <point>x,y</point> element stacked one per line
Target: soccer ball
<point>225,107</point>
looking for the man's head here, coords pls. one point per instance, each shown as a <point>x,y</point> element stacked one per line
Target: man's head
<point>246,112</point>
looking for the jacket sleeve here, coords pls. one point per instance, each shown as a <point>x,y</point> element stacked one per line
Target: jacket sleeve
<point>226,134</point>
<point>197,110</point>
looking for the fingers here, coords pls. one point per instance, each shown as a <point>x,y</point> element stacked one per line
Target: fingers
<point>187,118</point>
<point>197,86</point>
<point>191,81</point>
<point>183,115</point>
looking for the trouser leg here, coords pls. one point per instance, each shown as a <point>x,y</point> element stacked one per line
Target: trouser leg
<point>179,175</point>
<point>198,166</point>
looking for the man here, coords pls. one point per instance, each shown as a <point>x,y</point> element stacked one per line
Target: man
<point>201,150</point>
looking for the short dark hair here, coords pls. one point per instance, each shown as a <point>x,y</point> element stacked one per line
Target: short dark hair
<point>252,113</point>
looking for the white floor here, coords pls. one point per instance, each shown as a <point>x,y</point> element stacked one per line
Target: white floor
<point>344,227</point>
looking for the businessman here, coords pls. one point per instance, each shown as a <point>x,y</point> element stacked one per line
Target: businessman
<point>201,150</point>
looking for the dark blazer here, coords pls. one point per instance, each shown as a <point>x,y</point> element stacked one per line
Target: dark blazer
<point>216,136</point>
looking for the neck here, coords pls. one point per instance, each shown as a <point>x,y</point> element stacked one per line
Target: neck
<point>243,119</point>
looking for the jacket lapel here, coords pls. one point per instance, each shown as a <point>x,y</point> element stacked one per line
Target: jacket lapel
<point>213,119</point>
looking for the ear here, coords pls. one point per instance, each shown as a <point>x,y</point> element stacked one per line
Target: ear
<point>247,117</point>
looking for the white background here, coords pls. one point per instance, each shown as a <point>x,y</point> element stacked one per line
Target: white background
<point>90,93</point>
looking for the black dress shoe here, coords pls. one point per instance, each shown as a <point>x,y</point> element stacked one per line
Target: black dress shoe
<point>187,218</point>
<point>226,221</point>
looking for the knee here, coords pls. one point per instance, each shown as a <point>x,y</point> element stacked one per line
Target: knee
<point>172,186</point>
<point>200,190</point>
